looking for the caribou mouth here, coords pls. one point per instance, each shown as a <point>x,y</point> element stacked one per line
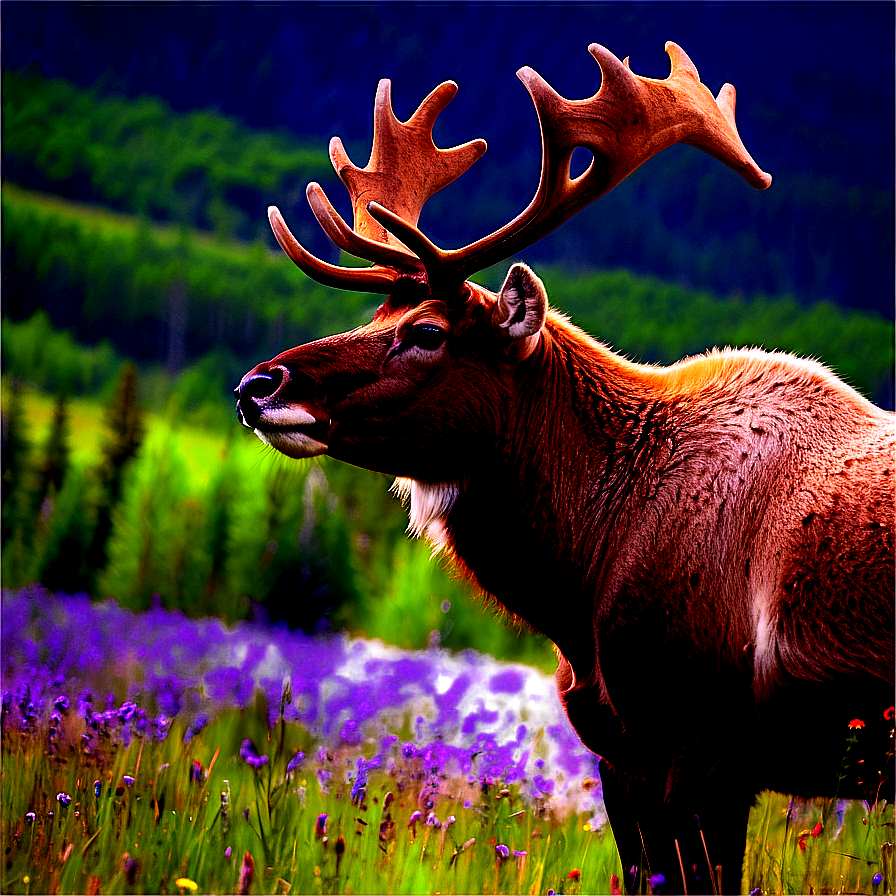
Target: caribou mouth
<point>298,442</point>
<point>292,430</point>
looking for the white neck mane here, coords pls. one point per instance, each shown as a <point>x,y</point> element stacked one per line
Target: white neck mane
<point>428,505</point>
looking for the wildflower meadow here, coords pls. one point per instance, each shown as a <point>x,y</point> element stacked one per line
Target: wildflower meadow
<point>152,753</point>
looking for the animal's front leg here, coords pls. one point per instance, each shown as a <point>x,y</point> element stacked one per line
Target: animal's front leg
<point>706,811</point>
<point>634,809</point>
<point>673,833</point>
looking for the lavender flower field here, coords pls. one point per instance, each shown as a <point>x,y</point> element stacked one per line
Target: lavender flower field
<point>154,753</point>
<point>98,689</point>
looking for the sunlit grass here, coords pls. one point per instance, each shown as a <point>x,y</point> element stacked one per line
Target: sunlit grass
<point>235,742</point>
<point>196,810</point>
<point>200,446</point>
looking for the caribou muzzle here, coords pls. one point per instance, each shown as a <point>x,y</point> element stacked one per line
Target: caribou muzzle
<point>291,427</point>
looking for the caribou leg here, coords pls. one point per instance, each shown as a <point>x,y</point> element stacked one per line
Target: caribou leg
<point>672,843</point>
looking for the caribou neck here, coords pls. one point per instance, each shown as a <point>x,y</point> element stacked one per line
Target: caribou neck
<point>535,523</point>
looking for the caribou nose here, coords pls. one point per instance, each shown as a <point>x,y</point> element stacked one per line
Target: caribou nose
<point>254,387</point>
<point>261,385</point>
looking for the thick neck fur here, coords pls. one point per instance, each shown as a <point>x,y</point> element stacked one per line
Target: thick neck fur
<point>668,491</point>
<point>526,523</point>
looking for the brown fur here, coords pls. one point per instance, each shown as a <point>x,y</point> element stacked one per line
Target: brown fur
<point>709,545</point>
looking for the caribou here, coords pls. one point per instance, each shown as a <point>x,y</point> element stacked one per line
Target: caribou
<point>709,545</point>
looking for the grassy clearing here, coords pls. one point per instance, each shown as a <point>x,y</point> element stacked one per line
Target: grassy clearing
<point>261,742</point>
<point>144,815</point>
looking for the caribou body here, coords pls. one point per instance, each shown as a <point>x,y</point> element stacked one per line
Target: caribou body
<point>709,545</point>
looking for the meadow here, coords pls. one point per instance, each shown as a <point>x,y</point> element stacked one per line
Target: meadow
<point>152,753</point>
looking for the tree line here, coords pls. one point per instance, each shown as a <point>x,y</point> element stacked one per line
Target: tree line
<point>171,296</point>
<point>683,217</point>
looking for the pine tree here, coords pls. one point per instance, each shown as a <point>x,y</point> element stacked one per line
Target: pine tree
<point>14,459</point>
<point>124,419</point>
<point>53,466</point>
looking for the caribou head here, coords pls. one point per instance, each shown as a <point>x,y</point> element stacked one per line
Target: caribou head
<point>419,392</point>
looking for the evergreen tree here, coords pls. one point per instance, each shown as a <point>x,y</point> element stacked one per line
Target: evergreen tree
<point>54,464</point>
<point>124,419</point>
<point>14,453</point>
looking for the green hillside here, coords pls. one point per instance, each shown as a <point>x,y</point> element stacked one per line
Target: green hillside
<point>170,295</point>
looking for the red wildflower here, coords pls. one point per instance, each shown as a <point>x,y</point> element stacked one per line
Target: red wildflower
<point>856,723</point>
<point>817,829</point>
<point>802,844</point>
<point>575,874</point>
<point>889,712</point>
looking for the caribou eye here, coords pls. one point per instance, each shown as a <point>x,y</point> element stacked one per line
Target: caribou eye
<point>426,336</point>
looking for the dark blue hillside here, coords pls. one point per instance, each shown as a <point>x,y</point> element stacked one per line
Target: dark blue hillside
<point>815,91</point>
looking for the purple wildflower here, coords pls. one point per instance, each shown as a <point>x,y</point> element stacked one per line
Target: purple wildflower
<point>408,750</point>
<point>324,780</point>
<point>297,759</point>
<point>877,880</point>
<point>29,817</point>
<point>415,817</point>
<point>249,754</point>
<point>128,781</point>
<point>131,866</point>
<point>657,881</point>
<point>63,799</point>
<point>195,727</point>
<point>320,826</point>
<point>502,852</point>
<point>359,785</point>
<point>127,711</point>
<point>349,733</point>
<point>520,853</point>
<point>61,704</point>
<point>840,815</point>
<point>432,821</point>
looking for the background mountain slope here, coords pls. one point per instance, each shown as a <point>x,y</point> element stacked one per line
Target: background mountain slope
<point>815,108</point>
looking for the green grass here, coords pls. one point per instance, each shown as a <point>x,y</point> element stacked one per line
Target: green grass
<point>173,823</point>
<point>196,810</point>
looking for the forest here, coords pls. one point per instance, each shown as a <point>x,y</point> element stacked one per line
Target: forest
<point>138,288</point>
<point>815,106</point>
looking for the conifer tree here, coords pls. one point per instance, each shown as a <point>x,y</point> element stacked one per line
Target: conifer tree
<point>14,459</point>
<point>124,419</point>
<point>53,466</point>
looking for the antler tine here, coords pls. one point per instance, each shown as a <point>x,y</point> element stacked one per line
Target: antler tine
<point>376,279</point>
<point>628,120</point>
<point>405,168</point>
<point>333,224</point>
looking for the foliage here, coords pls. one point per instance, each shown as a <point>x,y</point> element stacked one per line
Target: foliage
<point>50,359</point>
<point>201,169</point>
<point>160,750</point>
<point>824,231</point>
<point>102,276</point>
<point>157,294</point>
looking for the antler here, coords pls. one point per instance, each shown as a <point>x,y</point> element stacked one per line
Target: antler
<point>405,169</point>
<point>629,120</point>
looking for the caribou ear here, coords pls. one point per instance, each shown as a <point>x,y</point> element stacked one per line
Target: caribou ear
<point>521,307</point>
